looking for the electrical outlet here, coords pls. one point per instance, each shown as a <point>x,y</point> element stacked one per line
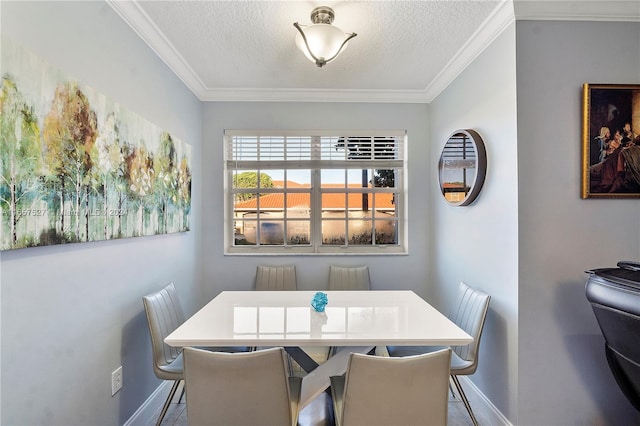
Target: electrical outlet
<point>116,380</point>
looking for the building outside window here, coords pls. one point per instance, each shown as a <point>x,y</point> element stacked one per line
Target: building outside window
<point>314,192</point>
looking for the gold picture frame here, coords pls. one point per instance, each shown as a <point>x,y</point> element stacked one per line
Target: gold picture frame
<point>611,141</point>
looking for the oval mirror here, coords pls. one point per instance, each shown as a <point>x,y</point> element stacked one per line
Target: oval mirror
<point>462,167</point>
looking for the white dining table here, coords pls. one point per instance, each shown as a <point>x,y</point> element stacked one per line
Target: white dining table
<point>354,321</point>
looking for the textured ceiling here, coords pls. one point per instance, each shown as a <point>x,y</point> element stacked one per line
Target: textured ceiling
<point>405,51</point>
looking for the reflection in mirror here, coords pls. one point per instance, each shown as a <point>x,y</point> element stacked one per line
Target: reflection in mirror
<point>462,167</point>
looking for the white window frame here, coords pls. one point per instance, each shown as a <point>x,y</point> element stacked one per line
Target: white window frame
<point>311,160</point>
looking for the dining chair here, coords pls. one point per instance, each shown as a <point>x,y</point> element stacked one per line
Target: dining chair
<point>349,278</point>
<point>276,277</point>
<point>164,314</point>
<point>250,388</point>
<point>468,312</point>
<point>386,391</point>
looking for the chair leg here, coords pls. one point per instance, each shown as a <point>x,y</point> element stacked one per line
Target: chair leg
<point>453,394</point>
<point>172,392</point>
<point>464,399</point>
<point>184,388</point>
<point>290,363</point>
<point>332,351</point>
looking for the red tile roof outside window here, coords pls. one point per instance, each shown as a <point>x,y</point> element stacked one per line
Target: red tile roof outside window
<point>330,201</point>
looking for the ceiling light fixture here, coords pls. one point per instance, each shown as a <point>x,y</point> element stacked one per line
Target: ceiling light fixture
<point>321,42</point>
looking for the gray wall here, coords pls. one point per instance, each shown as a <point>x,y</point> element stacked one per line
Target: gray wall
<point>478,244</point>
<point>563,376</point>
<point>72,314</point>
<point>387,272</point>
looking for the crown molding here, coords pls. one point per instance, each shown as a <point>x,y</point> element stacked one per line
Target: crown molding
<point>580,10</point>
<point>490,29</point>
<point>314,95</point>
<point>140,22</point>
<point>505,14</point>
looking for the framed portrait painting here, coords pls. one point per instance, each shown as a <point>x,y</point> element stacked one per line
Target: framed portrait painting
<point>611,141</point>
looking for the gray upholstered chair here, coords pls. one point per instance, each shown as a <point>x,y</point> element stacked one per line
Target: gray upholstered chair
<point>469,312</point>
<point>276,277</point>
<point>349,278</point>
<point>164,314</point>
<point>240,389</point>
<point>393,391</point>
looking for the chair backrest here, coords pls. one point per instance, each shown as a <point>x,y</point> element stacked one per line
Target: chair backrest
<point>349,278</point>
<point>164,314</point>
<point>409,390</point>
<point>249,388</point>
<point>469,313</point>
<point>276,277</point>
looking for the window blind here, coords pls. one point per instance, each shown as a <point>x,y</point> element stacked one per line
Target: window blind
<point>251,150</point>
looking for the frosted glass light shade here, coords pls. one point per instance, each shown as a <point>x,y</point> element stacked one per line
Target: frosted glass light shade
<point>324,41</point>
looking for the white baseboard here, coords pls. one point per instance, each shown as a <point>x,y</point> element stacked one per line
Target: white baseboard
<point>151,406</point>
<point>482,406</point>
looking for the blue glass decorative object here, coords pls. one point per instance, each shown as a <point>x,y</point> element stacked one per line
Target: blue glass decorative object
<point>319,301</point>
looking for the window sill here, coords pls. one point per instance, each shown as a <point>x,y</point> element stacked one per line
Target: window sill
<point>378,251</point>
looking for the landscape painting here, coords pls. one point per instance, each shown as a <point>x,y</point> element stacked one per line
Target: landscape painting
<point>76,166</point>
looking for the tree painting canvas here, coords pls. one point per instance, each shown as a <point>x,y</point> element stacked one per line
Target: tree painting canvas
<point>76,166</point>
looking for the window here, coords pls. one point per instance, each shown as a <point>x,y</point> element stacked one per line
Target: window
<point>314,192</point>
